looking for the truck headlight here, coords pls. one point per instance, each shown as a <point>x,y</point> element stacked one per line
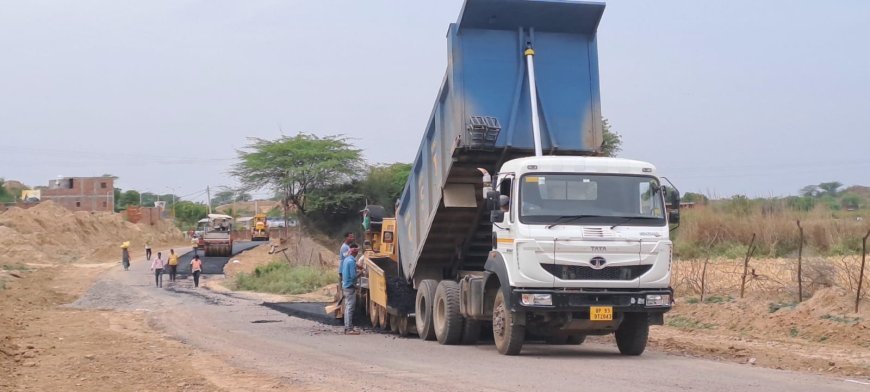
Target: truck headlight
<point>653,300</point>
<point>537,299</point>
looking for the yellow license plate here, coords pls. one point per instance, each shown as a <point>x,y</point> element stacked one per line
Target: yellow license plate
<point>601,313</point>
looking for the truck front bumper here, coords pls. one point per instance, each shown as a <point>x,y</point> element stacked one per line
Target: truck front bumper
<point>580,300</point>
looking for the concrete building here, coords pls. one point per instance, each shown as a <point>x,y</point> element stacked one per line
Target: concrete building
<point>82,193</point>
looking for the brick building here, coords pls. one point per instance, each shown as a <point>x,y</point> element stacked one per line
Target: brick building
<point>82,193</point>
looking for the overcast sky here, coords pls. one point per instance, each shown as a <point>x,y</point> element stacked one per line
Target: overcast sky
<point>726,97</point>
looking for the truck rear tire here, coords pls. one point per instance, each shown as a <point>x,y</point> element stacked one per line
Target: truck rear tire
<point>632,334</point>
<point>423,309</point>
<point>509,336</point>
<point>446,317</point>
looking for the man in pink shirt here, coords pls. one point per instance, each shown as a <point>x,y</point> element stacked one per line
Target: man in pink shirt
<point>157,266</point>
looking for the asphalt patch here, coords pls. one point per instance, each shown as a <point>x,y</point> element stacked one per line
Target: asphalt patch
<point>212,265</point>
<point>313,311</point>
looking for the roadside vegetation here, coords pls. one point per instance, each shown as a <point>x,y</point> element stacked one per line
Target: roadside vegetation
<point>281,278</point>
<point>833,222</point>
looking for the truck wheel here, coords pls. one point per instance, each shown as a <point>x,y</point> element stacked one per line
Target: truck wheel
<point>448,321</point>
<point>471,331</point>
<point>394,323</point>
<point>508,336</point>
<point>423,309</point>
<point>632,334</point>
<point>404,325</point>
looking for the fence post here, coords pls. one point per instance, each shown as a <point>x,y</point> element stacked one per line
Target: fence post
<point>800,263</point>
<point>704,270</point>
<point>861,275</point>
<point>746,265</point>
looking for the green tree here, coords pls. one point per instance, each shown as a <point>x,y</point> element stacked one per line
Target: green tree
<point>5,195</point>
<point>831,188</point>
<point>243,196</point>
<point>611,141</point>
<point>383,184</point>
<point>810,191</point>
<point>187,213</point>
<point>296,166</point>
<point>696,198</point>
<point>851,201</point>
<point>223,197</point>
<point>801,203</point>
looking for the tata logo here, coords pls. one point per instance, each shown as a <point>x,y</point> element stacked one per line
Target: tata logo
<point>599,249</point>
<point>597,262</point>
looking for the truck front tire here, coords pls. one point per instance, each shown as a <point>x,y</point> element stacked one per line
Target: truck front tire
<point>446,316</point>
<point>632,334</point>
<point>423,309</point>
<point>509,335</point>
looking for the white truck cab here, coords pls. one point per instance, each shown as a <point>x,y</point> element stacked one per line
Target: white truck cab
<point>580,247</point>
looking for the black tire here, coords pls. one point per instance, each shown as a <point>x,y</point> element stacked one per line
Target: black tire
<point>445,315</point>
<point>632,334</point>
<point>394,323</point>
<point>508,336</point>
<point>471,331</point>
<point>575,339</point>
<point>423,309</point>
<point>404,325</point>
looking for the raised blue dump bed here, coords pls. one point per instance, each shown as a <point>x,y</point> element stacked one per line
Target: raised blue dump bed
<point>482,117</point>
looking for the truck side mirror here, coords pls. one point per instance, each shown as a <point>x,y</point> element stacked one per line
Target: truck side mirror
<point>673,198</point>
<point>674,217</point>
<point>496,216</point>
<point>492,200</point>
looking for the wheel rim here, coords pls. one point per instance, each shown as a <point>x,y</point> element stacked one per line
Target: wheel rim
<point>438,314</point>
<point>498,320</point>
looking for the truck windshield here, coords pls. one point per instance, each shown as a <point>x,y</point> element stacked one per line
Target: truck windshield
<point>602,199</point>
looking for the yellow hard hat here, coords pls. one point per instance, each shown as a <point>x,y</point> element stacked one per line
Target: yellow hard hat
<point>125,244</point>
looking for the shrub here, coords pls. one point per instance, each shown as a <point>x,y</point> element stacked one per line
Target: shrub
<point>282,278</point>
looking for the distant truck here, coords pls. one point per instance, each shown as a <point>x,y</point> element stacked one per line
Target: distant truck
<point>259,228</point>
<point>510,216</point>
<point>217,239</point>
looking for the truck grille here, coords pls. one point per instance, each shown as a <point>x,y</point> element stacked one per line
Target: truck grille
<point>579,272</point>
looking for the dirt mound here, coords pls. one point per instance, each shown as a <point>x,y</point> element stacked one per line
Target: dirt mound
<point>49,233</point>
<point>826,317</point>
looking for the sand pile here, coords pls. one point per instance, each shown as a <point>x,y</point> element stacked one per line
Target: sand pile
<point>49,233</point>
<point>826,317</point>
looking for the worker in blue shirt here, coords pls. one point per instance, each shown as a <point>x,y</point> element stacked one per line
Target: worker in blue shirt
<point>343,251</point>
<point>348,279</point>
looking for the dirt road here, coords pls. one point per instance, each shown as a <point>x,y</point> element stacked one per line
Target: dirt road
<point>233,343</point>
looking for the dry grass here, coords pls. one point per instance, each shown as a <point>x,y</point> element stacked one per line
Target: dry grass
<point>767,278</point>
<point>777,235</point>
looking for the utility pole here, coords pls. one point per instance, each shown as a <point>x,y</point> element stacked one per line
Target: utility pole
<point>208,194</point>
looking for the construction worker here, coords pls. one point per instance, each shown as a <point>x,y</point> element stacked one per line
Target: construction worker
<point>343,251</point>
<point>196,270</point>
<point>157,266</point>
<point>148,250</point>
<point>125,255</point>
<point>173,265</point>
<point>348,284</point>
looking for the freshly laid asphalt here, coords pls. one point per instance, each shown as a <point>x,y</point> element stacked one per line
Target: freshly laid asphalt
<point>213,265</point>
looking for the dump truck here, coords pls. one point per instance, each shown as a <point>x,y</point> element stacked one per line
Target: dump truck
<point>511,218</point>
<point>217,239</point>
<point>259,228</point>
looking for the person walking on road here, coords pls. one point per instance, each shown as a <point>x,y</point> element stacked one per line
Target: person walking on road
<point>196,270</point>
<point>173,265</point>
<point>125,255</point>
<point>157,266</point>
<point>148,250</point>
<point>348,280</point>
